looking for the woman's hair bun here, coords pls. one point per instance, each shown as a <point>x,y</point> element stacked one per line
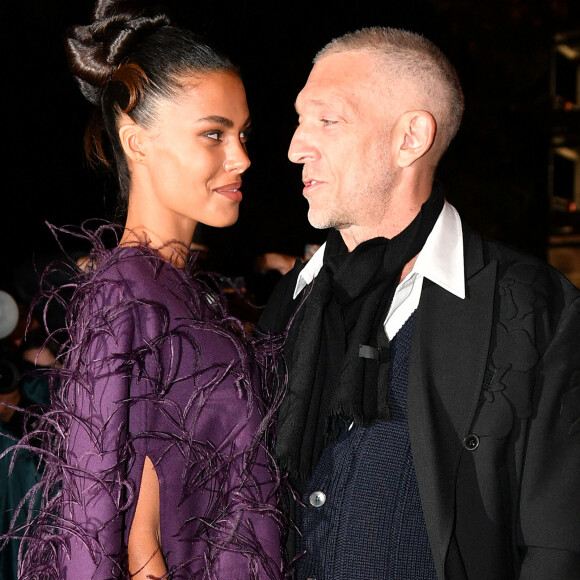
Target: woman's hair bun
<point>94,51</point>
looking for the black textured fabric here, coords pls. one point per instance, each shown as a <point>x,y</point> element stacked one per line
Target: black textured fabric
<point>371,524</point>
<point>331,382</point>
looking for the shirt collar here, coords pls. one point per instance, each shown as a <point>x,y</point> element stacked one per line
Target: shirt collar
<point>310,271</point>
<point>440,260</point>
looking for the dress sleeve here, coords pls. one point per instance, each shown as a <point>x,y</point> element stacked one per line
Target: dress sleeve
<point>92,404</point>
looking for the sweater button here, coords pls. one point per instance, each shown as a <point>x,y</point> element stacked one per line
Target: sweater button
<point>471,442</point>
<point>317,499</point>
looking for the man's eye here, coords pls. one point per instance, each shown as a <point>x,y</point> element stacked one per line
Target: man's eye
<point>326,122</point>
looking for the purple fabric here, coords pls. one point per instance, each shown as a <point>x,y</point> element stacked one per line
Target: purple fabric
<point>155,368</point>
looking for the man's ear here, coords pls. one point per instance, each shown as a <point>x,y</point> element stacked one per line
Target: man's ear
<point>132,139</point>
<point>419,128</point>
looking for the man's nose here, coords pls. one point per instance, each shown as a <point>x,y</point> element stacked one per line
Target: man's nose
<point>301,147</point>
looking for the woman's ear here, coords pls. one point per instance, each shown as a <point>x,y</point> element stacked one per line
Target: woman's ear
<point>419,129</point>
<point>132,138</point>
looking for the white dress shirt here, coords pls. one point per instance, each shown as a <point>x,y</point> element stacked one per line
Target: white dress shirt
<point>440,260</point>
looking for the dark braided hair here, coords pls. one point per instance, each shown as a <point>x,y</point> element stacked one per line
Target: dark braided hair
<point>125,62</point>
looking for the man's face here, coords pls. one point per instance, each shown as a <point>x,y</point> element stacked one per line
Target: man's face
<point>343,142</point>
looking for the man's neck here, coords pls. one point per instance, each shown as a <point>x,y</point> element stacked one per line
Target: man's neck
<point>402,209</point>
<point>408,267</point>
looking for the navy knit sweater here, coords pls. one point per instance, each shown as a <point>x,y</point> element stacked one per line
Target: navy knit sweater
<point>362,517</point>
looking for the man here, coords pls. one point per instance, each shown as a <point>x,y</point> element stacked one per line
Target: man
<point>431,423</point>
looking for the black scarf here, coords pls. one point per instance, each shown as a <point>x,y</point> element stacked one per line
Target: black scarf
<point>336,347</point>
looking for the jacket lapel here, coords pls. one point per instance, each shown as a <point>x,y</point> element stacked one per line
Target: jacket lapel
<point>446,371</point>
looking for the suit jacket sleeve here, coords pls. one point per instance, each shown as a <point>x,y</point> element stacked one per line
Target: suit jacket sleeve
<point>550,484</point>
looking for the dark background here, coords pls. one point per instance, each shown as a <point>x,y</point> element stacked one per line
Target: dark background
<point>495,172</point>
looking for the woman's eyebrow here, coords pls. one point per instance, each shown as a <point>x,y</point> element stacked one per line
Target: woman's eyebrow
<point>224,121</point>
<point>217,119</point>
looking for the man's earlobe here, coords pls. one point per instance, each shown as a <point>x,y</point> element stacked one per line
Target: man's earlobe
<point>419,134</point>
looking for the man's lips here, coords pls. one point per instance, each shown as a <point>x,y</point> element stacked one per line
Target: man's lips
<point>309,184</point>
<point>231,191</point>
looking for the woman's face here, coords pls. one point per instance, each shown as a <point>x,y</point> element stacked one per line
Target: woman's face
<point>195,155</point>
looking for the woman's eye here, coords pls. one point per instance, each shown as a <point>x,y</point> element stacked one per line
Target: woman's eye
<point>245,135</point>
<point>216,135</point>
<point>326,122</point>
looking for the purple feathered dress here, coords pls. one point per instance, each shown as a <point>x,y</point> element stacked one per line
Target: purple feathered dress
<point>155,368</point>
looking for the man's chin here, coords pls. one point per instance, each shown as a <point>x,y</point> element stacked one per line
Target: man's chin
<point>319,221</point>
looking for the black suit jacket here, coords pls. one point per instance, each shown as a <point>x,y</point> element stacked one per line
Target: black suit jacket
<point>494,416</point>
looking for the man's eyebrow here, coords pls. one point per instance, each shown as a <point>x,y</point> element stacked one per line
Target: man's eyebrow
<point>335,102</point>
<point>317,104</point>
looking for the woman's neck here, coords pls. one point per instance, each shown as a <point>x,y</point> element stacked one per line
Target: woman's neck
<point>169,236</point>
<point>174,251</point>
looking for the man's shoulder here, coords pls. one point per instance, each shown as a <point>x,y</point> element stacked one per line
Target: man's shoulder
<point>515,266</point>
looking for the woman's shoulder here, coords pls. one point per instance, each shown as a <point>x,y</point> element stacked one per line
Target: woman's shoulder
<point>123,263</point>
<point>139,275</point>
<point>129,270</point>
<point>115,280</point>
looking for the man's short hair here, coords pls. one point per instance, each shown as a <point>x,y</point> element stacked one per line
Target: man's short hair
<point>411,56</point>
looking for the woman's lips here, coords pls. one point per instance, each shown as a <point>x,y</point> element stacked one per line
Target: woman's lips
<point>231,191</point>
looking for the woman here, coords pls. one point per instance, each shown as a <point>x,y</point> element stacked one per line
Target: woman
<point>160,467</point>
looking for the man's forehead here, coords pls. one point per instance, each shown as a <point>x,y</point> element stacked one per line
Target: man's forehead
<point>340,92</point>
<point>332,98</point>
